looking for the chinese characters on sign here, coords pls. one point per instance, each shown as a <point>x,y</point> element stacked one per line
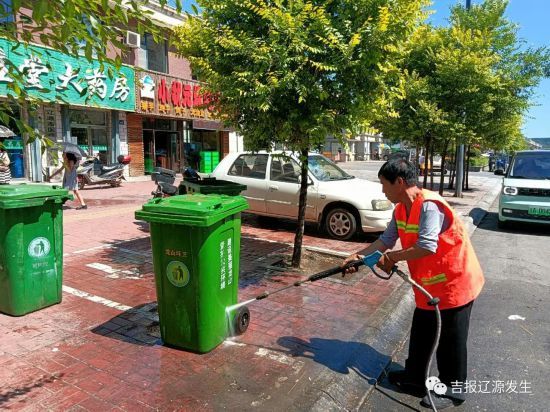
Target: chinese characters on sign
<point>226,263</point>
<point>53,76</point>
<point>167,96</point>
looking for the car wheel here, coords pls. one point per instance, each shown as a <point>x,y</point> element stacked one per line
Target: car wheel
<point>341,223</point>
<point>385,157</point>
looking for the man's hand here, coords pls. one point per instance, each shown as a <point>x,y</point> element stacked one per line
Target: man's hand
<point>386,263</point>
<point>350,258</point>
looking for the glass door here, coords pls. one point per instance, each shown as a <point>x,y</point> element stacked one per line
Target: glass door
<point>82,138</point>
<point>100,145</point>
<point>93,140</point>
<point>174,152</point>
<point>148,150</point>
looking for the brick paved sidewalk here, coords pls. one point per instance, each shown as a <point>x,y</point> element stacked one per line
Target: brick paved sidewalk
<point>99,349</point>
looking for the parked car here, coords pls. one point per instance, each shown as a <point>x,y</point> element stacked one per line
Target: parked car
<point>339,202</point>
<point>525,195</point>
<point>437,166</point>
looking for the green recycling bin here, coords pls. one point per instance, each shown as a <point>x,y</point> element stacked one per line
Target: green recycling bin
<point>196,244</point>
<point>31,247</point>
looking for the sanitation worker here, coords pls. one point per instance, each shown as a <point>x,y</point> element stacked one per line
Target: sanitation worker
<point>440,257</point>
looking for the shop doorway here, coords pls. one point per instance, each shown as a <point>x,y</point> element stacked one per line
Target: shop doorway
<point>203,152</point>
<point>93,140</point>
<point>161,146</point>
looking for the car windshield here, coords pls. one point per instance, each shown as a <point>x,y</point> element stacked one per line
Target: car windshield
<point>530,166</point>
<point>323,169</point>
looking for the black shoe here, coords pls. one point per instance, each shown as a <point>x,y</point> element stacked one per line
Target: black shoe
<point>82,207</point>
<point>440,402</point>
<point>403,381</point>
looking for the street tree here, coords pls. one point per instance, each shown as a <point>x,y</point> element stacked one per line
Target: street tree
<point>91,28</point>
<point>468,83</point>
<point>294,72</point>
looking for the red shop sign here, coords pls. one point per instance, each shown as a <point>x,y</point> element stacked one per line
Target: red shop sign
<point>179,94</point>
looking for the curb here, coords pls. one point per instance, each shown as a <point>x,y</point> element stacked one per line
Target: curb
<point>476,214</point>
<point>386,328</point>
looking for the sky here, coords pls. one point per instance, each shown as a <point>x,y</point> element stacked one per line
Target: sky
<point>533,19</point>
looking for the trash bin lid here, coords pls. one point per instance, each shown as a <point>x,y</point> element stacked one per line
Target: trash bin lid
<point>193,210</point>
<point>27,195</point>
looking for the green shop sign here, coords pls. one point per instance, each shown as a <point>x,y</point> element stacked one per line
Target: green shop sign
<point>13,144</point>
<point>52,76</point>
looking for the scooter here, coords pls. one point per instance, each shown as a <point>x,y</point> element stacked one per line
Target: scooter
<point>92,172</point>
<point>165,178</point>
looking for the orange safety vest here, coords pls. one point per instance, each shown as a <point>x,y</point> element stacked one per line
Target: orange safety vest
<point>452,273</point>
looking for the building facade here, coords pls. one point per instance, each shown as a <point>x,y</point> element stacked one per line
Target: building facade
<point>150,108</point>
<point>79,103</point>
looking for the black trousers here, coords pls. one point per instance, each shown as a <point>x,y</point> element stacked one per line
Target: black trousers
<point>451,355</point>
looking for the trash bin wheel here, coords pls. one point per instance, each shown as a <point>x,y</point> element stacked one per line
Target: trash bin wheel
<point>241,320</point>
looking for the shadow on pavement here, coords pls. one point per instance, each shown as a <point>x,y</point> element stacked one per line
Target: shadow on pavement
<point>138,325</point>
<point>9,395</point>
<point>288,225</point>
<point>524,228</point>
<point>142,226</point>
<point>338,355</point>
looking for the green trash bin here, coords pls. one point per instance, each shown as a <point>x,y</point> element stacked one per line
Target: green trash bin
<point>196,245</point>
<point>210,185</point>
<point>31,247</point>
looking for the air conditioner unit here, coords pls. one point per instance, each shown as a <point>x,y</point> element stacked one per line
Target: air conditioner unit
<point>132,39</point>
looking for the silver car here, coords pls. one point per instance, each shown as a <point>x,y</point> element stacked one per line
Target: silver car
<point>339,202</point>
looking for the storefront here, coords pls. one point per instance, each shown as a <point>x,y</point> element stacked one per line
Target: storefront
<point>82,104</point>
<point>173,129</point>
<point>13,144</point>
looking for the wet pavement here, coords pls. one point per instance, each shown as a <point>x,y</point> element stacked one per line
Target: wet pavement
<point>315,347</point>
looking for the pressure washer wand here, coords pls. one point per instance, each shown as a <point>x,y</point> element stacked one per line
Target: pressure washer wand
<point>315,277</point>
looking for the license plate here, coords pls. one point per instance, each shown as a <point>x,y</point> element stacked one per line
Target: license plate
<point>539,211</point>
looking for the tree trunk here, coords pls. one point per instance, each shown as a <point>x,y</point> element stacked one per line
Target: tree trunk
<point>298,238</point>
<point>467,169</point>
<point>453,172</point>
<point>426,159</point>
<point>432,166</point>
<point>443,156</point>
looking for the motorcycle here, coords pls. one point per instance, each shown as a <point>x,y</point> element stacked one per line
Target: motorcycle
<point>92,172</point>
<point>165,178</point>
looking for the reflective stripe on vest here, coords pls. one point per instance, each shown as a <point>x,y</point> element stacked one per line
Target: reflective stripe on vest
<point>452,273</point>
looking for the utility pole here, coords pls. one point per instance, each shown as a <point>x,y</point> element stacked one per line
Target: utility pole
<point>460,152</point>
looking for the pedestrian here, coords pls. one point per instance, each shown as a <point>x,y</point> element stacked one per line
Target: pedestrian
<point>70,177</point>
<point>5,174</point>
<point>491,163</point>
<point>440,257</point>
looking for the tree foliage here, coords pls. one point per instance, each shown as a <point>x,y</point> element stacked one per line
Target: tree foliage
<point>93,28</point>
<point>470,83</point>
<point>293,72</point>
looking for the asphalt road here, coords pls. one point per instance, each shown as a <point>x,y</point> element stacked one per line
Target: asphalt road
<point>369,170</point>
<point>509,346</point>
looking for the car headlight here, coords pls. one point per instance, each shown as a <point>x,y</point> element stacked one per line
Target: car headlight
<point>510,190</point>
<point>381,204</point>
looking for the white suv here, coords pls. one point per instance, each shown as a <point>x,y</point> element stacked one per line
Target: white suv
<point>336,200</point>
